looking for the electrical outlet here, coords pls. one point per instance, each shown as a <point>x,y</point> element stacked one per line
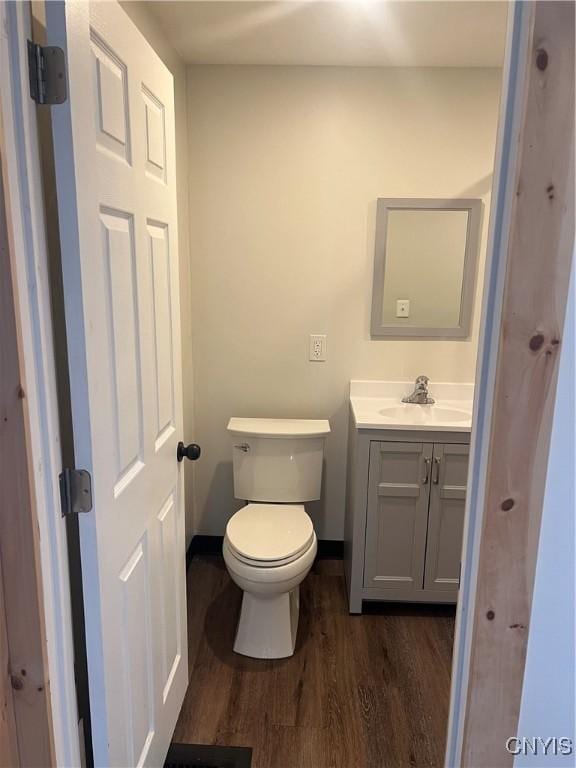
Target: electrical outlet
<point>403,308</point>
<point>317,350</point>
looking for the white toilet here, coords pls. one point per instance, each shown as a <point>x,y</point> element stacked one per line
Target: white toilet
<point>270,544</point>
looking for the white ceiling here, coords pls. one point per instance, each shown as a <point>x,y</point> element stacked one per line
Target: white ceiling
<point>394,33</point>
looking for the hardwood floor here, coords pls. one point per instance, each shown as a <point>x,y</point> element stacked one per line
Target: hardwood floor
<point>366,691</point>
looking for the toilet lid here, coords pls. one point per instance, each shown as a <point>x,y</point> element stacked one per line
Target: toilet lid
<point>270,532</point>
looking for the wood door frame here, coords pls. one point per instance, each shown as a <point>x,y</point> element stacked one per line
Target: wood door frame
<point>47,614</point>
<point>25,675</point>
<point>530,255</point>
<point>9,726</point>
<point>477,632</point>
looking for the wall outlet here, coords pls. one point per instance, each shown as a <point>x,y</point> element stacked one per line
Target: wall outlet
<point>403,308</point>
<point>317,350</point>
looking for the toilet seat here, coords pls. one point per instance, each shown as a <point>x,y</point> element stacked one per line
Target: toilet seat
<point>269,535</point>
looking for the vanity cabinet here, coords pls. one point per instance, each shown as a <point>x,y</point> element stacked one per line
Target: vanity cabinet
<point>446,517</point>
<point>397,515</point>
<point>404,516</point>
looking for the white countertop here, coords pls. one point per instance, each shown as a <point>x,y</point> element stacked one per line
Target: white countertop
<point>378,405</point>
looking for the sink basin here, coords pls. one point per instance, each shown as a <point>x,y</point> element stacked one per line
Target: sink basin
<point>378,405</point>
<point>425,414</point>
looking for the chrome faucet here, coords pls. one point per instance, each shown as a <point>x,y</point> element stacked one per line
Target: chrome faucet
<point>420,395</point>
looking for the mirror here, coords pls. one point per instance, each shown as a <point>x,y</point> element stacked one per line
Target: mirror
<point>425,267</point>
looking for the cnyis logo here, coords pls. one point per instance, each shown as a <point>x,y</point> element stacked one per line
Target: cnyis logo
<point>540,745</point>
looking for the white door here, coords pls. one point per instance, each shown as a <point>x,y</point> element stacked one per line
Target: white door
<point>115,165</point>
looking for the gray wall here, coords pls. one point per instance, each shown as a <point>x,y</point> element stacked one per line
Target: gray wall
<point>286,165</point>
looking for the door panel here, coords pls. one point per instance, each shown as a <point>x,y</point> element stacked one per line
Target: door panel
<point>123,328</point>
<point>137,654</point>
<point>169,597</point>
<point>163,348</point>
<point>111,95</point>
<point>398,486</point>
<point>446,517</point>
<point>115,167</point>
<point>155,135</point>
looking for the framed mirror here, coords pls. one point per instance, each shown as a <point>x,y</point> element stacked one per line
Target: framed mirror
<point>425,263</point>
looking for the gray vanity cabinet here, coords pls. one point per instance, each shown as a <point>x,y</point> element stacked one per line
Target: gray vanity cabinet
<point>404,516</point>
<point>446,517</point>
<point>397,515</point>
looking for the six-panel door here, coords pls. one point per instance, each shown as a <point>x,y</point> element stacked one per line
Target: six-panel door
<point>116,176</point>
<point>446,517</point>
<point>397,517</point>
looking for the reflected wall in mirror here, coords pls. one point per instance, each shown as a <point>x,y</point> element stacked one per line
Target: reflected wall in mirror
<point>425,267</point>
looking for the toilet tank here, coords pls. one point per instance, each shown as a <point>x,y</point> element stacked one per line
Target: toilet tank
<point>277,460</point>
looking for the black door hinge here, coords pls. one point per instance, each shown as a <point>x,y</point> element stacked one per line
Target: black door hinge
<point>47,73</point>
<point>75,491</point>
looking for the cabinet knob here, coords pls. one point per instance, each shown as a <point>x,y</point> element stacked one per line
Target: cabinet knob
<point>436,478</point>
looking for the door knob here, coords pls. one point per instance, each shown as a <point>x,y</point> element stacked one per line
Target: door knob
<point>191,451</point>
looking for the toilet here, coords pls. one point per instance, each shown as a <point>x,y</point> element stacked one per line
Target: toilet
<point>270,543</point>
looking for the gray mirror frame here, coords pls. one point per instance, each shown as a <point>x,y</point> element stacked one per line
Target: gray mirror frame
<point>462,330</point>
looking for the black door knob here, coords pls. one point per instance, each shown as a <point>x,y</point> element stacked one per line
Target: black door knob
<point>191,451</point>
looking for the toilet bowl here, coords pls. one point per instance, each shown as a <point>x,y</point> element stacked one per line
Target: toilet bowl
<point>270,543</point>
<point>269,572</point>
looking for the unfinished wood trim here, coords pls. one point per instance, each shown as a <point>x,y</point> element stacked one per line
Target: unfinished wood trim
<point>535,296</point>
<point>27,669</point>
<point>8,738</point>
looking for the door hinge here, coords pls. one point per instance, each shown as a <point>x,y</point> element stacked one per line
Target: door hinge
<point>75,491</point>
<point>47,73</point>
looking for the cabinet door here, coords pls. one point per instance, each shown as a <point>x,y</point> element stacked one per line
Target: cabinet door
<point>446,517</point>
<point>398,493</point>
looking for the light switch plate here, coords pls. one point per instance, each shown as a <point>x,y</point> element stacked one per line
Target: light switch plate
<point>403,308</point>
<point>317,349</point>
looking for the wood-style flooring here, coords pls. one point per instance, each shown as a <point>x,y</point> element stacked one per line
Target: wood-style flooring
<point>366,691</point>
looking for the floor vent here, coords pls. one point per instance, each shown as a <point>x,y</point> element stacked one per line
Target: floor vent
<point>207,756</point>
